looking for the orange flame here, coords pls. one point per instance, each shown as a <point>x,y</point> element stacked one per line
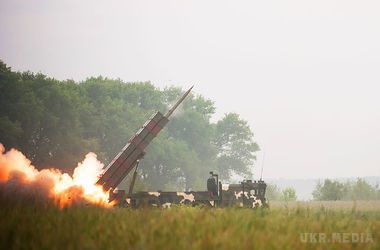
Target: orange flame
<point>63,189</point>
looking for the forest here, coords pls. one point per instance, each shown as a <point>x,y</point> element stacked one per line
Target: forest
<point>55,123</point>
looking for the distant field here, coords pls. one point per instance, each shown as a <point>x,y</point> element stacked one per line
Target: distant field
<point>281,227</point>
<point>336,205</point>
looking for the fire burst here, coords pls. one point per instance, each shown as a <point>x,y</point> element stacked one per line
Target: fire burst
<point>63,189</point>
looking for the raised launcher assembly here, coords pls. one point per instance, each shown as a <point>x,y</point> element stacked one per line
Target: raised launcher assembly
<point>246,194</point>
<point>133,151</point>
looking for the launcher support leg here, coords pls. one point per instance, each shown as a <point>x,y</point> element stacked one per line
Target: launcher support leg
<point>133,179</point>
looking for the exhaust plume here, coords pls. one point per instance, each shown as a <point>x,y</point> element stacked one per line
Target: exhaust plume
<point>19,179</point>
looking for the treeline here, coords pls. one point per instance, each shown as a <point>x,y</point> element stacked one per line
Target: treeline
<point>55,123</point>
<point>334,190</point>
<point>329,190</point>
<point>274,193</point>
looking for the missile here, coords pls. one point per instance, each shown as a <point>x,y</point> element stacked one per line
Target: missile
<point>170,112</point>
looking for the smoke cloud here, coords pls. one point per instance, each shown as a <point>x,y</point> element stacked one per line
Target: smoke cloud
<point>20,181</point>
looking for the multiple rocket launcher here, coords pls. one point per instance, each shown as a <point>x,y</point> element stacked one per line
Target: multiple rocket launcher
<point>133,151</point>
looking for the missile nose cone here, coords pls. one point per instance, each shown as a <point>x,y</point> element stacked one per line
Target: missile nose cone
<point>170,112</point>
<point>187,92</point>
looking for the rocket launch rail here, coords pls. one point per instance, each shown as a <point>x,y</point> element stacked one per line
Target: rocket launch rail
<point>133,151</point>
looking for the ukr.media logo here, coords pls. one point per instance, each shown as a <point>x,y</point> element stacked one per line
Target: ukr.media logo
<point>336,238</point>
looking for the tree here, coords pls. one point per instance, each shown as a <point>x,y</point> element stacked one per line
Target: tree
<point>360,190</point>
<point>329,190</point>
<point>289,194</point>
<point>348,190</point>
<point>273,192</point>
<point>235,146</point>
<point>11,131</point>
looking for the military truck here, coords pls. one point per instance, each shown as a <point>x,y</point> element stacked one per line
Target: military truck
<point>248,193</point>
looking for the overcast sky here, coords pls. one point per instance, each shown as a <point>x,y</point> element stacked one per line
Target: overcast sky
<point>305,74</point>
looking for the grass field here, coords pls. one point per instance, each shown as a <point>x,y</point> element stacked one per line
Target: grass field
<point>281,227</point>
<point>335,205</point>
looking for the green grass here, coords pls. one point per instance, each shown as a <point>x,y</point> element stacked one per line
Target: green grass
<point>335,205</point>
<point>86,227</point>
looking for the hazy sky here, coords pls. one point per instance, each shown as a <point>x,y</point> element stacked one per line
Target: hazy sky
<point>305,74</point>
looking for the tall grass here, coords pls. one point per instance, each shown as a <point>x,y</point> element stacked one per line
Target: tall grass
<point>366,205</point>
<point>86,227</point>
